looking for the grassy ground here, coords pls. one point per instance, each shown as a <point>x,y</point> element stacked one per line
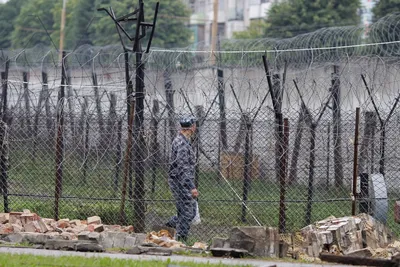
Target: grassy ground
<point>219,202</point>
<point>13,260</point>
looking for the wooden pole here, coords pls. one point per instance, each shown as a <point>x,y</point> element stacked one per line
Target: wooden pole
<point>214,32</point>
<point>355,162</point>
<point>62,29</point>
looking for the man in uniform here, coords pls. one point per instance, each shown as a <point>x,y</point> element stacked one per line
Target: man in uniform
<point>181,178</point>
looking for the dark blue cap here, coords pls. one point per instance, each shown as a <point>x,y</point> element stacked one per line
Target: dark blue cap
<point>187,121</point>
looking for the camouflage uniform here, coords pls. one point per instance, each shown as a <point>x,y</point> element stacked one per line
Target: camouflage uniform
<point>181,183</point>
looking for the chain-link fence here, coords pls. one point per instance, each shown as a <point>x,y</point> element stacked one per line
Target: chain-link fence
<point>66,150</point>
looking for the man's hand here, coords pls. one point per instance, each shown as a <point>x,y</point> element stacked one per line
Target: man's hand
<point>195,193</point>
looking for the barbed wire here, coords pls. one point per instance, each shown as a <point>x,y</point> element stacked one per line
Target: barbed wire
<point>325,74</point>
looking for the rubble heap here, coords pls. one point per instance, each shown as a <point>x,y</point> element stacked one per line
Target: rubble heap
<point>164,238</point>
<point>360,235</point>
<point>27,221</point>
<point>84,235</point>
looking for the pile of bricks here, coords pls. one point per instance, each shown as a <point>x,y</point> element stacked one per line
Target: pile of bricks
<point>360,235</point>
<point>26,221</point>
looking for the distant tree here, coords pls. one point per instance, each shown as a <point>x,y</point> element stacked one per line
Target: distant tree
<point>289,18</point>
<point>81,32</point>
<point>8,13</point>
<point>293,17</point>
<point>255,31</point>
<point>171,30</point>
<point>28,29</point>
<point>385,7</point>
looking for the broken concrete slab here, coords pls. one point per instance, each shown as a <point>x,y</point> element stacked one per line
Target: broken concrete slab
<point>365,252</point>
<point>53,235</point>
<point>35,238</point>
<point>68,236</point>
<point>88,247</point>
<point>94,236</point>
<point>140,238</point>
<point>61,244</point>
<point>219,242</point>
<point>118,239</point>
<point>75,245</point>
<point>150,250</point>
<point>257,240</point>
<point>14,238</point>
<point>130,241</point>
<point>94,220</point>
<point>83,235</point>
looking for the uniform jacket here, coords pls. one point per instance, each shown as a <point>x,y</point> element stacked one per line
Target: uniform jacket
<point>182,168</point>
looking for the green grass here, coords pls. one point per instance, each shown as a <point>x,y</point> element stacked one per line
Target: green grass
<point>220,207</point>
<point>14,260</point>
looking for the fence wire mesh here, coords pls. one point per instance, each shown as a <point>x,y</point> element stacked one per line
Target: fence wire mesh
<point>249,171</point>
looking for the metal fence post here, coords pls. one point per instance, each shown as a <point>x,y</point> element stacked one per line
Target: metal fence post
<point>3,141</point>
<point>60,137</point>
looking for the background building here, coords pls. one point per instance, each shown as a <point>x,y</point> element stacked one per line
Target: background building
<point>233,16</point>
<point>236,15</point>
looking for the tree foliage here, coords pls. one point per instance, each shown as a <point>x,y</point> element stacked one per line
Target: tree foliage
<point>293,17</point>
<point>385,7</point>
<point>289,18</point>
<point>24,23</point>
<point>255,31</point>
<point>33,24</point>
<point>8,14</point>
<point>170,30</point>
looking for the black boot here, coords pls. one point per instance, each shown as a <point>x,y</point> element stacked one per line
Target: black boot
<point>169,225</point>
